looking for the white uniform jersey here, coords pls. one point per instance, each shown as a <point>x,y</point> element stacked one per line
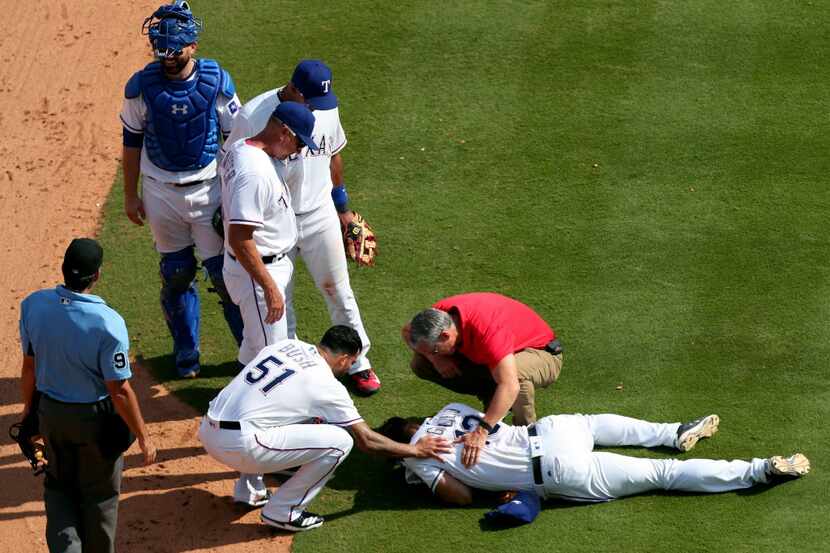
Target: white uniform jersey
<point>308,174</point>
<point>570,468</point>
<point>134,118</point>
<point>504,463</point>
<point>287,383</point>
<point>253,116</point>
<point>253,194</point>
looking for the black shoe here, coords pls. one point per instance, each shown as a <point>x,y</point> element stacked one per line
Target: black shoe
<point>689,433</point>
<point>306,521</point>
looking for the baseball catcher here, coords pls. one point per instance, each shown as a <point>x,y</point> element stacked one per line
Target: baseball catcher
<point>175,114</point>
<point>359,240</point>
<point>27,435</point>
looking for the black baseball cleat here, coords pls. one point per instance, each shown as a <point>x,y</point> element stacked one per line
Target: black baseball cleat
<point>785,468</point>
<point>306,521</point>
<point>689,433</point>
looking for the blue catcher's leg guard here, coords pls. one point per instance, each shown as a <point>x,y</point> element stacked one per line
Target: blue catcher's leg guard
<point>233,317</point>
<point>180,303</point>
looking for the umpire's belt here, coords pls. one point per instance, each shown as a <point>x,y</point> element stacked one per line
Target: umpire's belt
<point>225,425</point>
<point>536,452</point>
<point>266,259</point>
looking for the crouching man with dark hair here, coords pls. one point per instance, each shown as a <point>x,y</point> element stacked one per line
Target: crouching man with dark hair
<point>555,458</point>
<point>287,409</point>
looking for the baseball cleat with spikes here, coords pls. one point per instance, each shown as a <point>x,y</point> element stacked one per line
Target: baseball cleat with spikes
<point>365,382</point>
<point>306,521</point>
<point>791,467</point>
<point>689,433</point>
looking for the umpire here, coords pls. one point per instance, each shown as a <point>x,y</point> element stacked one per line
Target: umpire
<point>75,371</point>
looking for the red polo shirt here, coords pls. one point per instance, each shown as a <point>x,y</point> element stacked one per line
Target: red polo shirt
<point>493,326</point>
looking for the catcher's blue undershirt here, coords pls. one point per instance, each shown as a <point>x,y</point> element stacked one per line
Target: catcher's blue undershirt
<point>78,343</point>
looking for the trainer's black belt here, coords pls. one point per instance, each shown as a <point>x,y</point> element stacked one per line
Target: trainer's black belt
<point>536,461</point>
<point>266,259</point>
<point>554,347</point>
<point>230,425</point>
<point>186,184</point>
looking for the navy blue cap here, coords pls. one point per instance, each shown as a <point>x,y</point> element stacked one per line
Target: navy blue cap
<point>299,119</point>
<point>522,509</point>
<point>313,79</point>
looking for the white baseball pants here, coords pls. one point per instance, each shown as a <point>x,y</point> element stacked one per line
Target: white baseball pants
<point>572,470</point>
<point>320,244</point>
<point>180,216</point>
<point>317,448</point>
<point>250,298</point>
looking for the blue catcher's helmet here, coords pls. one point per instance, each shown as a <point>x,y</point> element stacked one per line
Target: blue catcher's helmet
<point>171,28</point>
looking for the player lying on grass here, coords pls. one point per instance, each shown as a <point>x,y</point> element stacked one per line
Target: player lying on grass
<point>555,458</point>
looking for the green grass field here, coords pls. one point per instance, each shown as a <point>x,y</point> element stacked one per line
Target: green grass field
<point>649,175</point>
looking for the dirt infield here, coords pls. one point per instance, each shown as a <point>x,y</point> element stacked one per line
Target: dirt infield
<point>63,68</point>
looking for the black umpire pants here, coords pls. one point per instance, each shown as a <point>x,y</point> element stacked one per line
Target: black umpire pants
<point>82,484</point>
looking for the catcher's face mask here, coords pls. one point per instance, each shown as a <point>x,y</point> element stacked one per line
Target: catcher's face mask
<point>171,28</point>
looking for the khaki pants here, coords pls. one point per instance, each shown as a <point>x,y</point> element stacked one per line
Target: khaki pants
<point>535,368</point>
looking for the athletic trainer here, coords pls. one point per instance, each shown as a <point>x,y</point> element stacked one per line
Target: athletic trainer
<point>490,346</point>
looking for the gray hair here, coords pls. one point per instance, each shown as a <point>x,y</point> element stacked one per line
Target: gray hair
<point>427,326</point>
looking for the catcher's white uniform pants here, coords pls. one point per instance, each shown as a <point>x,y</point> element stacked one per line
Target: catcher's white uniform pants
<point>180,216</point>
<point>320,243</point>
<point>572,470</point>
<point>317,448</point>
<point>250,298</point>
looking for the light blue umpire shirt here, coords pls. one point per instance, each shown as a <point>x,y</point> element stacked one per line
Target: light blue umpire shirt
<point>78,342</point>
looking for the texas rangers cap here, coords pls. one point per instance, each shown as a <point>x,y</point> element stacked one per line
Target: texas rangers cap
<point>299,119</point>
<point>313,79</point>
<point>83,258</point>
<point>522,509</point>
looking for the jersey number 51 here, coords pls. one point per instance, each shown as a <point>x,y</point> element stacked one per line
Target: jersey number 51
<point>263,368</point>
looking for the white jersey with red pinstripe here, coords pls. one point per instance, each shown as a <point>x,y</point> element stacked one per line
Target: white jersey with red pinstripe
<point>286,383</point>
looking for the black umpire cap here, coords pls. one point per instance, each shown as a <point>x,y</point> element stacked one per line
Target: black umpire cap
<point>82,259</point>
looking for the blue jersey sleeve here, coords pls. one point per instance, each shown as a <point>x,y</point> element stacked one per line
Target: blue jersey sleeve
<point>113,356</point>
